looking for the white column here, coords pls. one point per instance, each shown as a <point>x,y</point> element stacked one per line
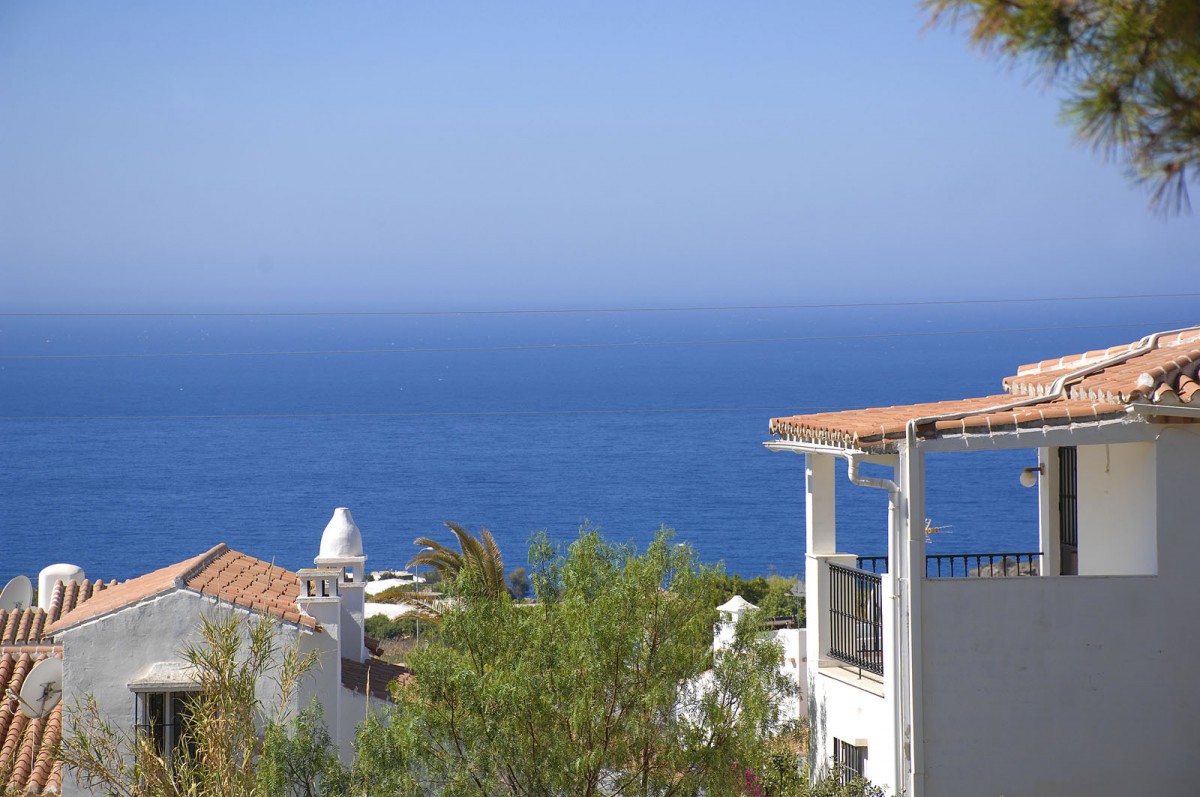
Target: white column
<point>821,537</point>
<point>819,509</point>
<point>912,575</point>
<point>1048,535</point>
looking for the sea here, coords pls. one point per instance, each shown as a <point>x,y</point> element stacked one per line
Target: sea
<point>129,442</point>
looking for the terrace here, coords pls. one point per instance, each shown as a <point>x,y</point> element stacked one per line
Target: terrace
<point>901,637</point>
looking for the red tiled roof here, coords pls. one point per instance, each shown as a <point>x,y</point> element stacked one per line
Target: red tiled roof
<point>374,674</point>
<point>251,583</point>
<point>27,745</point>
<point>220,572</point>
<point>27,764</point>
<point>1165,374</point>
<point>27,626</point>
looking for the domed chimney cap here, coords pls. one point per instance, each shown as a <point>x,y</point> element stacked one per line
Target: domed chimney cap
<point>341,538</point>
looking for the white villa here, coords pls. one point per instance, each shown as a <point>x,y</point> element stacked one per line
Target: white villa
<point>791,641</point>
<point>1080,680</point>
<point>119,642</point>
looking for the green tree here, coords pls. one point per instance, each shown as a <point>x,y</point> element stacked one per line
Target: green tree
<point>221,755</point>
<point>608,685</point>
<point>775,596</point>
<point>781,600</point>
<point>1131,69</point>
<point>518,583</point>
<point>299,760</point>
<point>478,556</point>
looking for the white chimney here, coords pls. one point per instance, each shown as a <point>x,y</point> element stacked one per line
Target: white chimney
<point>730,612</point>
<point>342,549</point>
<point>51,575</point>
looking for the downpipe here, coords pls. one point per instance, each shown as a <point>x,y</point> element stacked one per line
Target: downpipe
<point>896,601</point>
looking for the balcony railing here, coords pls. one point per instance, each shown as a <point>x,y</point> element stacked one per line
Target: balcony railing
<point>967,565</point>
<point>856,618</point>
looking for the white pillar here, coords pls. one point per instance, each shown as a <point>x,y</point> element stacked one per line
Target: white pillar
<point>819,509</point>
<point>912,575</point>
<point>1048,535</point>
<point>820,516</point>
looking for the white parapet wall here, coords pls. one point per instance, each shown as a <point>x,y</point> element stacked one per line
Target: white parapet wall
<point>1070,685</point>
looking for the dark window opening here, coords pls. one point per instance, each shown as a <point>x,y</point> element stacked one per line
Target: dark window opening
<point>168,719</point>
<point>1068,511</point>
<point>849,761</point>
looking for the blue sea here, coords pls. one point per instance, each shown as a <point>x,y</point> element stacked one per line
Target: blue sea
<point>516,422</point>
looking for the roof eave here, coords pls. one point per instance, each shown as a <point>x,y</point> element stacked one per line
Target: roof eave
<point>55,630</point>
<point>1164,410</point>
<point>806,447</point>
<point>68,624</point>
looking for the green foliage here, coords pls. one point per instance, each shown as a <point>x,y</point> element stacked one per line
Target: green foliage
<point>1131,69</point>
<point>753,590</point>
<point>220,758</point>
<point>780,600</point>
<point>608,685</point>
<point>477,557</point>
<point>782,778</point>
<point>518,583</point>
<point>401,593</point>
<point>299,760</point>
<point>773,595</point>
<point>383,628</point>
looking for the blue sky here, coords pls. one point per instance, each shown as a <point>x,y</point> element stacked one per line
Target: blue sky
<point>467,154</point>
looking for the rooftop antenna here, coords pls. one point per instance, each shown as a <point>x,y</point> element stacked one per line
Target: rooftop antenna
<point>43,688</point>
<point>932,529</point>
<point>17,594</point>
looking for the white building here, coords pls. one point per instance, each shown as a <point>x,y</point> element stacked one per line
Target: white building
<point>792,644</point>
<point>1080,681</point>
<point>120,643</point>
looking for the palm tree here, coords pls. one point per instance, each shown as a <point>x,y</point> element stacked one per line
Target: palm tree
<point>477,556</point>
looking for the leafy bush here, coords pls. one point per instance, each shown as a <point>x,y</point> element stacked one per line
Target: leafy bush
<point>773,595</point>
<point>384,628</point>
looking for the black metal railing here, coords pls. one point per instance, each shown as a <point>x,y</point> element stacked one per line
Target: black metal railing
<point>873,564</point>
<point>856,618</point>
<point>968,565</point>
<point>983,565</point>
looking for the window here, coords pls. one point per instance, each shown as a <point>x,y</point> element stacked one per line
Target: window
<point>849,761</point>
<point>1068,511</point>
<point>167,718</point>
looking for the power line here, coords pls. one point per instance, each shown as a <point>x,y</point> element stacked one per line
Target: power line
<point>598,310</point>
<point>438,414</point>
<point>579,346</point>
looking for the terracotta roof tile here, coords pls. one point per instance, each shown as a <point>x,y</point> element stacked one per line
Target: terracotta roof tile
<point>133,591</point>
<point>1166,374</point>
<point>220,572</point>
<point>28,626</point>
<point>253,583</point>
<point>373,673</point>
<point>1173,360</point>
<point>27,745</point>
<point>879,428</point>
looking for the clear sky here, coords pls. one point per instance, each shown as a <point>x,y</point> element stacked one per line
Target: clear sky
<point>406,155</point>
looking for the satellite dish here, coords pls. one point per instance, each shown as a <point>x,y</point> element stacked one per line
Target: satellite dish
<point>43,688</point>
<point>17,594</point>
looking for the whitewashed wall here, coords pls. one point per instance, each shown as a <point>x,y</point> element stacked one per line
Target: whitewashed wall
<point>1075,685</point>
<point>1117,514</point>
<point>101,657</point>
<point>841,710</point>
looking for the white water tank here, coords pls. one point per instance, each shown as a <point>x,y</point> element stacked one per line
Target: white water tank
<point>53,574</point>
